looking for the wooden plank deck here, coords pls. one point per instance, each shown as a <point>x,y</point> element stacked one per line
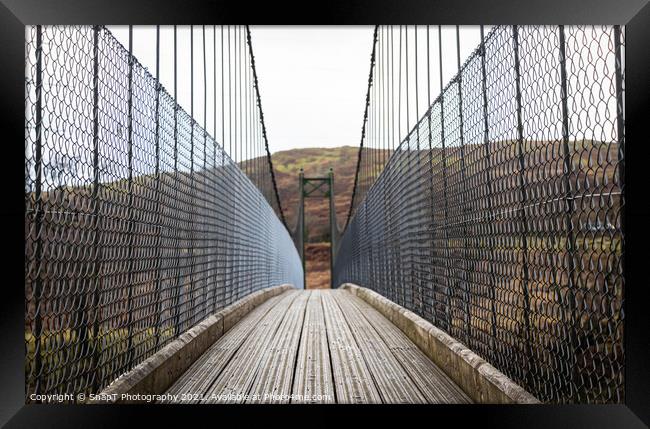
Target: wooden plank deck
<point>320,346</point>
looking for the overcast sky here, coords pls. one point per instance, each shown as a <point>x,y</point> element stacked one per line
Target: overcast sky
<point>313,79</point>
<point>313,83</point>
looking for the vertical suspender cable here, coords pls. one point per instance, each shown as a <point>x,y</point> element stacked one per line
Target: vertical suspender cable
<point>130,231</point>
<point>399,92</point>
<point>204,242</point>
<point>179,284</point>
<point>466,260</point>
<point>392,90</point>
<point>444,185</point>
<point>229,192</point>
<point>417,103</point>
<point>406,58</point>
<point>236,93</point>
<point>431,181</point>
<point>216,166</point>
<point>158,247</point>
<point>192,189</point>
<point>428,71</point>
<point>240,78</point>
<point>522,210</point>
<point>383,101</point>
<point>491,226</point>
<point>97,249</point>
<point>230,63</point>
<point>417,290</point>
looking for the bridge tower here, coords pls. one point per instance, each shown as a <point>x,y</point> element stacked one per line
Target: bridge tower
<point>316,187</point>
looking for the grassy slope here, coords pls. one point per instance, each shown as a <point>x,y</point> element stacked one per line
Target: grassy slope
<point>316,162</point>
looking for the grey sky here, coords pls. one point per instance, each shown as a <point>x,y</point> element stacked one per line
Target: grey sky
<point>313,83</point>
<point>313,79</point>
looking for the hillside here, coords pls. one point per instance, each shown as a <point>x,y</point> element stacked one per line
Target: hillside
<point>316,163</point>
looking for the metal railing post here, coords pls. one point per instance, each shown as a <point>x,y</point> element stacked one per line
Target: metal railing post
<point>193,203</point>
<point>97,248</point>
<point>38,215</point>
<point>301,224</point>
<point>620,134</point>
<point>130,232</point>
<point>467,299</point>
<point>488,183</point>
<point>333,229</point>
<point>179,283</point>
<point>157,191</point>
<point>522,210</point>
<point>569,209</point>
<point>444,185</point>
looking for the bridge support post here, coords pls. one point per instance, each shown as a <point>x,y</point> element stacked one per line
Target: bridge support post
<point>37,290</point>
<point>316,187</point>
<point>300,233</point>
<point>333,227</point>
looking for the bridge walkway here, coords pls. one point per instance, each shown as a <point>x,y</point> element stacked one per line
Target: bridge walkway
<point>316,346</point>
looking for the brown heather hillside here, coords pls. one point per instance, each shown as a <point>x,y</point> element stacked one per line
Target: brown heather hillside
<point>316,163</point>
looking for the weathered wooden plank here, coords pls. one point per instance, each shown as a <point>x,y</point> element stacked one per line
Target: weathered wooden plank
<point>275,374</point>
<point>435,385</point>
<point>352,378</point>
<point>393,382</point>
<point>202,374</point>
<point>237,378</point>
<point>313,382</point>
<point>327,345</point>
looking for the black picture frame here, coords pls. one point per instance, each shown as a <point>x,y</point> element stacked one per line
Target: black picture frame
<point>635,14</point>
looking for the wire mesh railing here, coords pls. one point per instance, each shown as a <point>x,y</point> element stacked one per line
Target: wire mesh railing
<point>499,218</point>
<point>138,224</point>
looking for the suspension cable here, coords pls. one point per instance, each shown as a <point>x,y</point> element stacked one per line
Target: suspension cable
<point>266,140</point>
<point>363,128</point>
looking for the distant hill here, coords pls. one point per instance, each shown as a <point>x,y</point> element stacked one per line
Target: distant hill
<point>316,163</point>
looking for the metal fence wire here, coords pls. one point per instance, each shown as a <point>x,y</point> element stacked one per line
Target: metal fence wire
<point>138,225</point>
<point>499,218</point>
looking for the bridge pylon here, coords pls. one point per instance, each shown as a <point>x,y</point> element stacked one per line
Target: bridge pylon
<point>316,187</point>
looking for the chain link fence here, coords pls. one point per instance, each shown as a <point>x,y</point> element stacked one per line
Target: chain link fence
<point>499,218</point>
<point>138,225</point>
